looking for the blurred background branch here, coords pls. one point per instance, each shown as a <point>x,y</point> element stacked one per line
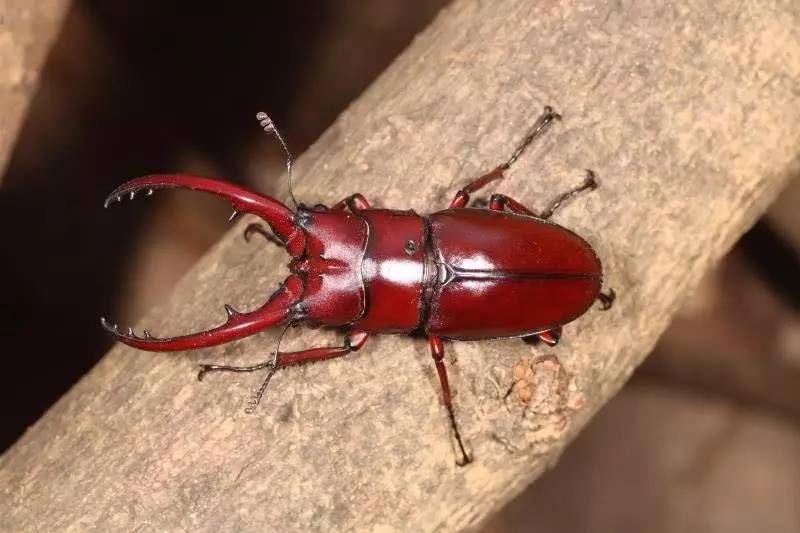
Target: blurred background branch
<point>27,30</point>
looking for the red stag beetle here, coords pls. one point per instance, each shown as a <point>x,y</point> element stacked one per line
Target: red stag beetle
<point>458,274</point>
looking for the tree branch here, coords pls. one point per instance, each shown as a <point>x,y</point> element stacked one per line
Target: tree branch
<point>27,30</point>
<point>690,115</point>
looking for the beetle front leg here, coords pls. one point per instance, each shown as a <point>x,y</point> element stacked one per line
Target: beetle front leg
<point>437,352</point>
<point>352,343</point>
<point>354,202</point>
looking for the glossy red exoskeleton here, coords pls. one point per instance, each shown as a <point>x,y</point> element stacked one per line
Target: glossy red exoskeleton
<point>458,274</point>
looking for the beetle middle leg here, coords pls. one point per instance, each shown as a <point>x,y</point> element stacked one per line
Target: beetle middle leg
<point>437,352</point>
<point>353,342</point>
<point>354,202</point>
<point>539,127</point>
<point>499,202</point>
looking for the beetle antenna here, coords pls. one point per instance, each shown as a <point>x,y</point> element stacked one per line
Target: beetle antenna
<point>269,126</point>
<point>273,367</point>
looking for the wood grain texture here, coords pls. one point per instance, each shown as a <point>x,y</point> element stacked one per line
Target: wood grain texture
<point>27,30</point>
<point>689,113</point>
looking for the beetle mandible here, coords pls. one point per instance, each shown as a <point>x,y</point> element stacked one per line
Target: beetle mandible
<point>459,274</point>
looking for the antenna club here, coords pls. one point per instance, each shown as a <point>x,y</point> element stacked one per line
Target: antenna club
<point>265,122</point>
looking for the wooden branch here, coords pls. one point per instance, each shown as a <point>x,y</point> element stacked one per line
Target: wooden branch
<point>27,29</point>
<point>689,113</point>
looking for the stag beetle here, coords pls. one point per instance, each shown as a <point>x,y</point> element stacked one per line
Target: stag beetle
<point>458,274</point>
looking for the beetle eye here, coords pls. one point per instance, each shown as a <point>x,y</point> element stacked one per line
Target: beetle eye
<point>411,247</point>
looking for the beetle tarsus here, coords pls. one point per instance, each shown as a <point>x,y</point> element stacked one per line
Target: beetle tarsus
<point>437,352</point>
<point>607,300</point>
<point>538,128</point>
<point>465,458</point>
<point>256,399</point>
<point>589,183</point>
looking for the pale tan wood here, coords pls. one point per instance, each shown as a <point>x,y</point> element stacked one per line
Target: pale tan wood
<point>689,113</point>
<point>27,30</point>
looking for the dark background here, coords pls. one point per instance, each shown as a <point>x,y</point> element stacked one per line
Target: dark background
<point>132,88</point>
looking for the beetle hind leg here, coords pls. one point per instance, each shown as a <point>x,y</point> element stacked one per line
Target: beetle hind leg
<point>607,300</point>
<point>551,336</point>
<point>437,352</point>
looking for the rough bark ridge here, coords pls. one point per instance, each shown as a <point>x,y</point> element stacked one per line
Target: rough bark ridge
<point>689,113</point>
<point>26,32</point>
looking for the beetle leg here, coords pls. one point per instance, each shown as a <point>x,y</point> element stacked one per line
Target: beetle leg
<point>536,131</point>
<point>354,202</point>
<point>499,202</point>
<point>437,352</point>
<point>551,336</point>
<point>589,183</point>
<point>607,300</point>
<point>539,127</point>
<point>352,343</point>
<point>255,227</point>
<point>462,196</point>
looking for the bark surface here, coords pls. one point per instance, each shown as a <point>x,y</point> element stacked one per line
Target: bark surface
<point>689,113</point>
<point>27,29</point>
